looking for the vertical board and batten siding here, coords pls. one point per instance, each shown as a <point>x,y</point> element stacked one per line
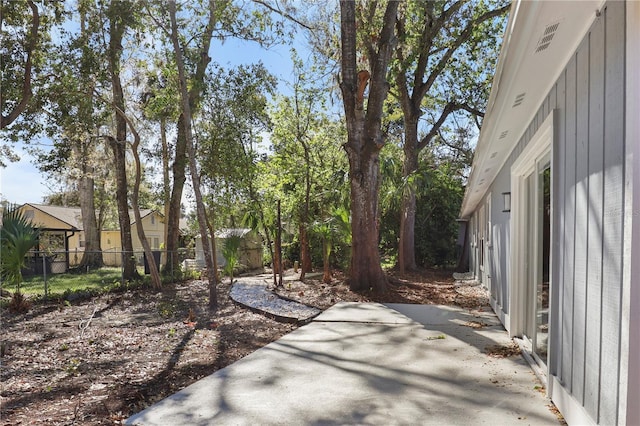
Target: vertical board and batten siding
<point>581,212</point>
<point>501,244</point>
<point>588,208</point>
<point>565,277</point>
<point>613,202</point>
<point>595,212</point>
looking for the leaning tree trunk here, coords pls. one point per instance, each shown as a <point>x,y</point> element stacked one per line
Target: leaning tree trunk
<point>119,148</point>
<point>365,139</point>
<point>180,160</point>
<point>129,271</point>
<point>153,267</point>
<point>195,177</point>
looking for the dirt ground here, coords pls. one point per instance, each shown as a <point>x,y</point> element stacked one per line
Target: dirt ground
<point>98,361</point>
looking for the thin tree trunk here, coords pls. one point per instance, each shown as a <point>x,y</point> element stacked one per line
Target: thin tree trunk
<point>407,251</point>
<point>166,183</point>
<point>118,146</point>
<point>195,177</point>
<point>129,271</point>
<point>151,261</point>
<point>326,267</point>
<point>214,254</point>
<point>305,250</point>
<point>30,52</point>
<point>277,263</point>
<point>179,179</point>
<point>180,159</point>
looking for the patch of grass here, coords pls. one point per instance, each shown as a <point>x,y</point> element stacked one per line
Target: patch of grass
<point>98,281</point>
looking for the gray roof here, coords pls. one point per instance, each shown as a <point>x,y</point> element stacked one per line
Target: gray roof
<point>228,232</point>
<point>73,215</point>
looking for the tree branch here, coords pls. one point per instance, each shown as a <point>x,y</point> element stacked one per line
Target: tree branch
<point>285,15</point>
<point>379,85</point>
<point>464,36</point>
<point>26,84</point>
<point>448,109</point>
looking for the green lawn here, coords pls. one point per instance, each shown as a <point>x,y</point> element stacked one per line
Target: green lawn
<point>100,279</point>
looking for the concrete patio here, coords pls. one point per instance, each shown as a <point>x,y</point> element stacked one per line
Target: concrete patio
<point>368,363</point>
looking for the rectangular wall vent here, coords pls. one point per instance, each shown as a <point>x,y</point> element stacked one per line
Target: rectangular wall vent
<point>519,99</point>
<point>503,134</point>
<point>547,37</point>
<point>493,155</point>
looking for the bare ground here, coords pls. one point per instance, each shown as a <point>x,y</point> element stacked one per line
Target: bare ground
<point>98,361</point>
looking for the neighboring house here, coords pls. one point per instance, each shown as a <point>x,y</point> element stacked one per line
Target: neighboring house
<point>553,201</point>
<point>62,230</point>
<point>250,251</point>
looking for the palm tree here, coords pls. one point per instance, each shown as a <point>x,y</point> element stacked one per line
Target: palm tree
<point>230,248</point>
<point>17,237</point>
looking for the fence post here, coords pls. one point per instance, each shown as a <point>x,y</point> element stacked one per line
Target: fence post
<point>44,273</point>
<point>122,259</point>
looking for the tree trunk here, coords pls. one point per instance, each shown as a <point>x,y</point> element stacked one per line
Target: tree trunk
<point>326,266</point>
<point>277,262</point>
<point>119,147</point>
<point>365,140</point>
<point>173,217</point>
<point>166,183</point>
<point>195,177</point>
<point>365,272</point>
<point>30,52</point>
<point>151,261</point>
<point>92,256</point>
<point>129,271</point>
<point>305,250</point>
<point>407,250</point>
<point>180,159</point>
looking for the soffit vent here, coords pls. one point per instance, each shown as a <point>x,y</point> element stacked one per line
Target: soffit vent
<point>503,134</point>
<point>547,37</point>
<point>519,99</point>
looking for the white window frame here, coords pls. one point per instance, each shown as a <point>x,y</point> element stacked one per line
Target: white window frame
<point>538,148</point>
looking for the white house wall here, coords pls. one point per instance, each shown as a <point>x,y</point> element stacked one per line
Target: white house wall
<point>588,193</point>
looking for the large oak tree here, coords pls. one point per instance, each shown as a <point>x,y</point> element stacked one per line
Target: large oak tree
<point>365,137</point>
<point>444,63</point>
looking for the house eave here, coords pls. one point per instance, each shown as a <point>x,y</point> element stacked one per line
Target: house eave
<point>525,73</point>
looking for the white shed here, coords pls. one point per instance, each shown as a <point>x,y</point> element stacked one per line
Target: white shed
<point>250,248</point>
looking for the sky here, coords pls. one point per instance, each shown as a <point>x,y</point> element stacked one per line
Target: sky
<point>21,182</point>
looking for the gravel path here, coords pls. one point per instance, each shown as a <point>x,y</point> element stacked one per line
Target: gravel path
<point>253,293</point>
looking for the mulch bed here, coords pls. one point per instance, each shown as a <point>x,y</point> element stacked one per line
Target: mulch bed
<point>96,362</point>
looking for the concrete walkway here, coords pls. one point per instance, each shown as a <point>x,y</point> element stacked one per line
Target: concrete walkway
<point>373,364</point>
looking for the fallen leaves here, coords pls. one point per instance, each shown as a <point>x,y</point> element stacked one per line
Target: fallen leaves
<point>503,351</point>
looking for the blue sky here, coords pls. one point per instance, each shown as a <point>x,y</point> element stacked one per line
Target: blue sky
<point>21,182</point>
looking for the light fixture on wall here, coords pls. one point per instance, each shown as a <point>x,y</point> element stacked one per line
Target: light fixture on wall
<point>506,201</point>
